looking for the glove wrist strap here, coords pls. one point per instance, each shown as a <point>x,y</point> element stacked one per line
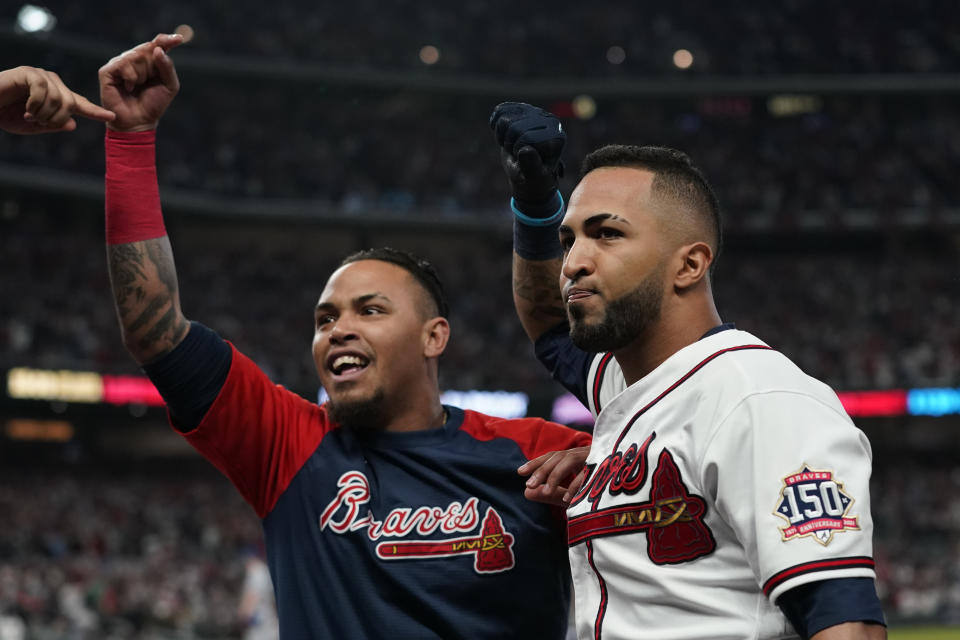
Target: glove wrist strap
<point>536,238</point>
<point>538,215</point>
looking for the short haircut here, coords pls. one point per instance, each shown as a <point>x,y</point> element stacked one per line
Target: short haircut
<point>421,270</point>
<point>675,177</point>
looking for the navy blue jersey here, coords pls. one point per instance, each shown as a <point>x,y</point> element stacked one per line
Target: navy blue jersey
<point>422,534</point>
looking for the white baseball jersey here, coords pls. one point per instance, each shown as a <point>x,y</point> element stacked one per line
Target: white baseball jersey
<point>720,480</point>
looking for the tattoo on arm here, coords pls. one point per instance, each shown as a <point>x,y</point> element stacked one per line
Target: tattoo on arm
<point>126,272</point>
<point>536,289</point>
<point>145,290</point>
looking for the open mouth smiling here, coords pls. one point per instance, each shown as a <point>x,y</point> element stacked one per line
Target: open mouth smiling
<point>347,365</point>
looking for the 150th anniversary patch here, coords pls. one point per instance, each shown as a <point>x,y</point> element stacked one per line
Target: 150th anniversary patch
<point>814,504</point>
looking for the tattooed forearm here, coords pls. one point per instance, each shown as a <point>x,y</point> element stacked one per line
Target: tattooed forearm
<point>168,328</point>
<point>536,294</point>
<point>126,271</point>
<point>537,283</point>
<point>147,317</point>
<point>144,284</point>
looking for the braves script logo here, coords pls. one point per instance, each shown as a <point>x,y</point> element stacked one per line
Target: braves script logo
<point>620,472</point>
<point>814,504</point>
<point>492,548</point>
<point>672,518</point>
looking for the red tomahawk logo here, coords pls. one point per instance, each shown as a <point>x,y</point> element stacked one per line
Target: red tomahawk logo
<point>492,547</point>
<point>683,536</point>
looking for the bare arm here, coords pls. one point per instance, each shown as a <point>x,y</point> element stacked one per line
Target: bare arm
<point>138,86</point>
<point>536,295</point>
<point>852,631</point>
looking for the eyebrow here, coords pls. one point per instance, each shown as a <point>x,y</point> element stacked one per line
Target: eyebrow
<point>359,300</point>
<point>595,219</point>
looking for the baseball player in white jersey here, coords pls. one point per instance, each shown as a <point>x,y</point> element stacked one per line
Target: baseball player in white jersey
<point>726,493</point>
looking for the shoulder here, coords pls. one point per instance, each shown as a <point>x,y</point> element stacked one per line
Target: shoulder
<point>534,436</point>
<point>247,383</point>
<point>746,366</point>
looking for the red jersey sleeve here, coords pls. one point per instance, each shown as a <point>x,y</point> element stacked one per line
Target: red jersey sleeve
<point>258,433</point>
<point>534,436</point>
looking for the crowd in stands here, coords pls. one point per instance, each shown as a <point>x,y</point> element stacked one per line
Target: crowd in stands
<point>122,555</point>
<point>853,162</point>
<point>917,521</point>
<point>155,554</point>
<point>498,37</point>
<point>858,318</point>
<point>833,160</point>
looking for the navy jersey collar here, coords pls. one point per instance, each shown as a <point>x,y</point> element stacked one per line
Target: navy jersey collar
<point>717,329</point>
<point>425,437</point>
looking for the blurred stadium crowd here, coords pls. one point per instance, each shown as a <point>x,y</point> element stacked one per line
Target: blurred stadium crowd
<point>864,317</point>
<point>158,554</point>
<point>830,160</point>
<point>149,555</point>
<point>852,162</point>
<point>843,252</point>
<point>571,39</point>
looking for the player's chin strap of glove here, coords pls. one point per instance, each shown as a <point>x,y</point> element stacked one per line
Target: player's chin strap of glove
<point>531,142</point>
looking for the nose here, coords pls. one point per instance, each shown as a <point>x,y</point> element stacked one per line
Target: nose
<point>341,332</point>
<point>578,262</point>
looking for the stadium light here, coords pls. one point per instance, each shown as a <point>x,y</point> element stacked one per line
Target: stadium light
<point>429,54</point>
<point>584,106</point>
<point>616,55</point>
<point>682,59</point>
<point>34,19</point>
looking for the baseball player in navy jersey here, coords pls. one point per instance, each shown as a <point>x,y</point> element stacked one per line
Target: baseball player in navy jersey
<point>725,494</point>
<point>386,514</point>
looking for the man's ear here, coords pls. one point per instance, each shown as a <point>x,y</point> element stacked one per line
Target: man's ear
<point>693,265</point>
<point>436,333</point>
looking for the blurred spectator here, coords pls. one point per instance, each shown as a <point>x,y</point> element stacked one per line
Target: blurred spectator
<point>258,609</point>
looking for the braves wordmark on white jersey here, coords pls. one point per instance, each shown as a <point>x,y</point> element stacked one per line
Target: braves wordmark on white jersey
<point>717,482</point>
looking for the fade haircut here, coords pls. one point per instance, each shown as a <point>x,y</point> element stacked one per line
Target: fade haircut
<point>675,177</point>
<point>421,270</point>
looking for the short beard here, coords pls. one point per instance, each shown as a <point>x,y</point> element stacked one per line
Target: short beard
<point>364,417</point>
<point>624,319</point>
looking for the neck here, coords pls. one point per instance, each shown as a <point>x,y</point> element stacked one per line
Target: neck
<point>676,329</point>
<point>418,414</point>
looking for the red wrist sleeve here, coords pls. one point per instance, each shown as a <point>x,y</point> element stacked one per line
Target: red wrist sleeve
<point>132,195</point>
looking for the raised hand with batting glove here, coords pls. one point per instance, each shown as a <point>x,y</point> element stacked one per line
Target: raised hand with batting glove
<point>531,142</point>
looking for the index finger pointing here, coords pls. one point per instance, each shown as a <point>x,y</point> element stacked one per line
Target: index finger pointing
<point>167,41</point>
<point>87,109</point>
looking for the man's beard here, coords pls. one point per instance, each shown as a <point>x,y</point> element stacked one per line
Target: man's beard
<point>623,320</point>
<point>362,416</point>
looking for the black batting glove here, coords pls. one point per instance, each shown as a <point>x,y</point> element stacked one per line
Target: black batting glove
<point>531,141</point>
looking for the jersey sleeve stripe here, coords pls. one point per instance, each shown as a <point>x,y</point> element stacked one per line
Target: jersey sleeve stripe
<point>853,562</point>
<point>598,381</point>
